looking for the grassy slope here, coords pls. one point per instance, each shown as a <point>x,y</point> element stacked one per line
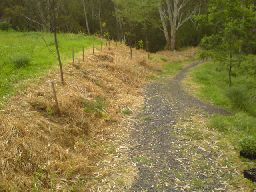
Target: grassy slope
<point>42,57</point>
<point>211,85</point>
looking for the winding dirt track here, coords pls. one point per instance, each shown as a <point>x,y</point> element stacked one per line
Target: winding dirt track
<point>158,152</point>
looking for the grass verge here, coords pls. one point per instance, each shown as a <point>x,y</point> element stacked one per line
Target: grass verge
<point>210,83</point>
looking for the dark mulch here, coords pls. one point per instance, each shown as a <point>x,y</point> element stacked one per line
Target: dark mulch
<point>250,174</point>
<point>247,155</point>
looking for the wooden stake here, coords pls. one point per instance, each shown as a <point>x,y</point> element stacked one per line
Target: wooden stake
<point>73,54</point>
<point>101,46</point>
<point>148,55</point>
<point>131,52</point>
<point>83,54</point>
<point>93,49</point>
<point>55,98</point>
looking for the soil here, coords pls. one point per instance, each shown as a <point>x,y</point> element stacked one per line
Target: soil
<point>168,160</point>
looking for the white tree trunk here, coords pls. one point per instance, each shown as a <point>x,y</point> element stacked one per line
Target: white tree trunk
<point>165,26</point>
<point>86,18</point>
<point>178,13</point>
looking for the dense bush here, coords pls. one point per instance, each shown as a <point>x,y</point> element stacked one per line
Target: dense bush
<point>21,61</point>
<point>5,26</point>
<point>248,147</point>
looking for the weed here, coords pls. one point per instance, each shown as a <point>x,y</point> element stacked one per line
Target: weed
<point>140,44</point>
<point>142,160</point>
<point>126,111</point>
<point>238,97</point>
<point>96,107</point>
<point>21,61</point>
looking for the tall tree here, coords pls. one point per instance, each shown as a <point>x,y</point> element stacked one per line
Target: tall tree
<point>176,13</point>
<point>86,17</point>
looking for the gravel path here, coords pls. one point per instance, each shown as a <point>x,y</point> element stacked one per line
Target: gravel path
<point>166,160</point>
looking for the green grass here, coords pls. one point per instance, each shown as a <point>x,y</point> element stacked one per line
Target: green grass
<point>27,55</point>
<point>172,68</point>
<point>239,99</point>
<point>213,84</point>
<point>97,107</point>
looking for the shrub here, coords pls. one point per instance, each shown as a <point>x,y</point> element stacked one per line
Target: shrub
<point>96,107</point>
<point>220,123</point>
<point>140,44</point>
<point>21,61</point>
<point>239,98</point>
<point>248,147</point>
<point>5,26</point>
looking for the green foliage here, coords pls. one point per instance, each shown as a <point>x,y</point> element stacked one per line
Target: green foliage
<point>240,129</point>
<point>238,97</point>
<point>231,21</point>
<point>5,26</point>
<point>136,11</point>
<point>96,107</point>
<point>248,147</point>
<point>241,124</point>
<point>21,61</point>
<point>213,80</point>
<point>213,84</point>
<point>140,44</point>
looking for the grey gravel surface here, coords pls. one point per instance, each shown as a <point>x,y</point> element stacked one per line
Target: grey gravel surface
<point>161,154</point>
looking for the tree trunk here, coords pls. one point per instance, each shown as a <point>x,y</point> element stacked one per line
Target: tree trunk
<point>54,25</point>
<point>86,18</point>
<point>100,22</point>
<point>173,39</point>
<point>165,28</point>
<point>230,70</point>
<point>174,24</point>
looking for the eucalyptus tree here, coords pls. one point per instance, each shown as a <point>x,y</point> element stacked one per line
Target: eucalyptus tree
<point>174,14</point>
<point>85,5</point>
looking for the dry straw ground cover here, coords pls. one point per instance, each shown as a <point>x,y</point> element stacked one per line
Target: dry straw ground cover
<point>43,151</point>
<point>85,148</point>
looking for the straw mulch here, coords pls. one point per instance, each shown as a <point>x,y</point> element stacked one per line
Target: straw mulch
<point>42,150</point>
